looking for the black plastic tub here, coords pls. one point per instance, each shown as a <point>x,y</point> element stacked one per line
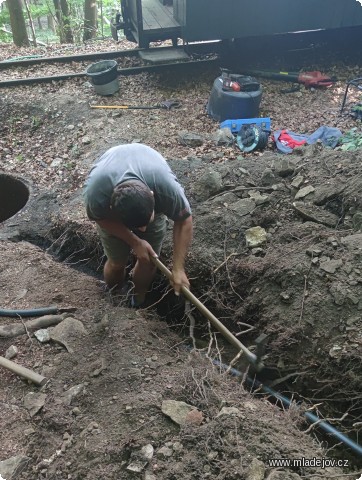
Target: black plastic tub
<point>104,77</point>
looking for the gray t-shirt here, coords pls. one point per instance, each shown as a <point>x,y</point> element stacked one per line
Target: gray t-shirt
<point>134,162</point>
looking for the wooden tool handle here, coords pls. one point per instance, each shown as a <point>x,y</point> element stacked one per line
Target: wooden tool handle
<point>252,358</point>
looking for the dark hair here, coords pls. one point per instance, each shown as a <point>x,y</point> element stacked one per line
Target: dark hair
<point>132,203</point>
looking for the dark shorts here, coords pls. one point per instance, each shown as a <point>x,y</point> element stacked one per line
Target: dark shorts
<point>118,251</point>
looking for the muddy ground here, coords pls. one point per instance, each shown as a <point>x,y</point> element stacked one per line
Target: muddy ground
<point>108,384</point>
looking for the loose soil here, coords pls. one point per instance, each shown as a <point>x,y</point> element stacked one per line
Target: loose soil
<point>302,287</point>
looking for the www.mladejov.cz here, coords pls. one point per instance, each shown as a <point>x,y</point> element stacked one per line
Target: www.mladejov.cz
<point>307,462</point>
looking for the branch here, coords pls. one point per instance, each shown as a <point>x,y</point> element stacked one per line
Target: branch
<point>16,329</point>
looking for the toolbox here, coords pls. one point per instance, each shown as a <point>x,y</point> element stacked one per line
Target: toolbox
<point>235,125</point>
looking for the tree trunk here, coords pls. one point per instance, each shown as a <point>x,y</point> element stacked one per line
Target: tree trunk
<point>51,24</point>
<point>17,21</point>
<point>90,19</point>
<point>30,22</point>
<point>68,34</point>
<point>62,13</point>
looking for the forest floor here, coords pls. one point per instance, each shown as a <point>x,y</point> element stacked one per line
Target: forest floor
<point>114,373</point>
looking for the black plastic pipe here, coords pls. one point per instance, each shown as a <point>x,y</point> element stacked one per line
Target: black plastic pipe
<point>287,403</point>
<point>34,312</point>
<point>121,71</point>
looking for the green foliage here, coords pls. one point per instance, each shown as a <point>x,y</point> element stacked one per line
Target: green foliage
<point>43,8</point>
<point>351,140</point>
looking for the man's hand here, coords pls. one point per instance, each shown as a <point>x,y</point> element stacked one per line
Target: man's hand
<point>143,250</point>
<point>179,280</point>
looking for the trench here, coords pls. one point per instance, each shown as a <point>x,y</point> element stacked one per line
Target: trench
<point>71,245</point>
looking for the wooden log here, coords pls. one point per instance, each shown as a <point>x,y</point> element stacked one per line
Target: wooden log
<point>16,329</point>
<point>23,372</point>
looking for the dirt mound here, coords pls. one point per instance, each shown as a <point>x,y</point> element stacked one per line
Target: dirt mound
<point>104,398</point>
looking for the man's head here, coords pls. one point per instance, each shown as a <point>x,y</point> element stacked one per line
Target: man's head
<point>133,204</point>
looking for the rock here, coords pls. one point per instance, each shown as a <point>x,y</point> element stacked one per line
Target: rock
<point>71,394</point>
<point>195,417</point>
<point>284,166</point>
<point>297,182</point>
<point>11,352</point>
<point>223,136</point>
<point>311,212</point>
<point>176,410</point>
<point>258,198</point>
<point>330,266</point>
<point>56,162</point>
<point>190,139</point>
<point>34,401</point>
<point>140,458</point>
<point>325,193</point>
<point>353,243</point>
<point>42,335</point>
<point>278,475</point>
<point>314,252</point>
<point>86,140</point>
<point>268,178</point>
<point>150,476</point>
<point>339,293</point>
<point>243,206</point>
<point>208,184</point>
<point>357,221</point>
<point>303,192</point>
<point>164,452</point>
<point>68,333</point>
<point>256,470</point>
<point>255,237</point>
<point>11,468</point>
<point>229,411</point>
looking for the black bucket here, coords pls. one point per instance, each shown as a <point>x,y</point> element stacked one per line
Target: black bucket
<point>104,77</point>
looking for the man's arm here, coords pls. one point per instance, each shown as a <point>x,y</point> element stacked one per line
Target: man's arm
<point>141,248</point>
<point>182,236</point>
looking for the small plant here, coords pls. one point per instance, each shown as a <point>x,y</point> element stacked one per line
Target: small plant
<point>352,140</point>
<point>35,122</point>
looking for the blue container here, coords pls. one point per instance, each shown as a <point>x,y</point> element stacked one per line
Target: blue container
<point>225,104</point>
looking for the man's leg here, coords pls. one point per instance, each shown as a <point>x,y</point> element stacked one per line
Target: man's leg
<point>117,253</point>
<point>144,273</point>
<point>114,273</point>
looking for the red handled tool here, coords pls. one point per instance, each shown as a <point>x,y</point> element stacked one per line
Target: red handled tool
<point>314,79</point>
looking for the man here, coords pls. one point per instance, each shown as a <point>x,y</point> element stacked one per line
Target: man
<point>129,193</point>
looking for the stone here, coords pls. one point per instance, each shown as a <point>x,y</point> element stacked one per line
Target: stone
<point>303,192</point>
<point>284,166</point>
<point>268,178</point>
<point>230,411</point>
<point>176,410</point>
<point>325,193</point>
<point>353,243</point>
<point>11,352</point>
<point>12,467</point>
<point>68,333</point>
<point>297,181</point>
<point>190,139</point>
<point>68,396</point>
<point>311,212</point>
<point>243,206</point>
<point>255,237</point>
<point>223,136</point>
<point>357,221</point>
<point>194,417</point>
<point>330,266</point>
<point>258,198</point>
<point>208,185</point>
<point>42,335</point>
<point>256,470</point>
<point>165,452</point>
<point>34,402</point>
